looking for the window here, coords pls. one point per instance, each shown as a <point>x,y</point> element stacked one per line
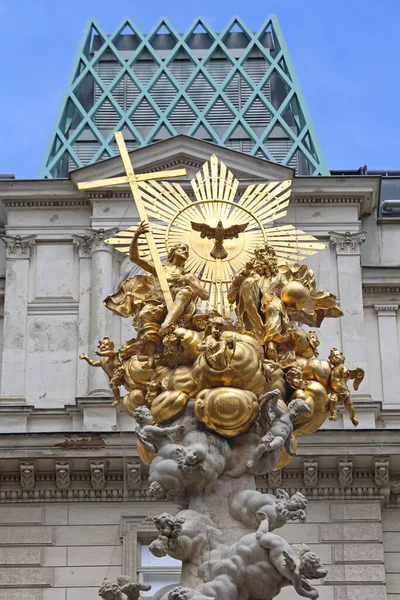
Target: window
<point>157,572</point>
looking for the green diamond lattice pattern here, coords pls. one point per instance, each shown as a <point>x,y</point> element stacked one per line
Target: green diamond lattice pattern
<point>235,88</point>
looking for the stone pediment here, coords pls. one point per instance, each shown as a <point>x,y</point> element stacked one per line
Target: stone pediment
<point>188,153</point>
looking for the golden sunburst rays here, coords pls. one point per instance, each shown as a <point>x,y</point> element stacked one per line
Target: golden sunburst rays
<point>171,213</point>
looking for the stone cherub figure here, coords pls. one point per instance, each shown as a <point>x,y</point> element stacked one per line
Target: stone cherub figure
<point>141,296</point>
<point>123,588</point>
<point>110,363</point>
<point>152,436</point>
<point>218,351</point>
<point>279,433</point>
<point>257,566</point>
<point>340,393</point>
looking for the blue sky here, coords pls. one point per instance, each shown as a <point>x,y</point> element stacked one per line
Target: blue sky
<point>346,54</point>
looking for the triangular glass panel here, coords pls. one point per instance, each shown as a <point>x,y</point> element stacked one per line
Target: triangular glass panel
<point>201,133</point>
<point>284,67</point>
<point>303,165</point>
<point>94,42</point>
<point>182,117</point>
<point>199,39</point>
<point>57,145</point>
<point>220,117</point>
<point>238,133</point>
<point>163,92</point>
<point>255,68</point>
<point>87,91</point>
<point>163,133</point>
<point>236,37</point>
<point>276,89</point>
<point>163,39</point>
<point>126,39</point>
<point>62,167</point>
<point>269,40</point>
<point>201,92</point>
<point>79,70</point>
<point>144,117</point>
<point>308,144</point>
<point>257,115</point>
<point>71,118</point>
<point>106,117</point>
<point>293,116</point>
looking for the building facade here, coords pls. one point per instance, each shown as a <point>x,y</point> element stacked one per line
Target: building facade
<point>74,506</point>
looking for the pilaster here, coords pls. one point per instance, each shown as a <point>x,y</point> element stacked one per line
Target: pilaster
<point>348,247</point>
<point>101,284</point>
<point>18,253</point>
<point>389,350</point>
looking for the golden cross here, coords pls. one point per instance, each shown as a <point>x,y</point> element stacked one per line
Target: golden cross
<point>133,181</point>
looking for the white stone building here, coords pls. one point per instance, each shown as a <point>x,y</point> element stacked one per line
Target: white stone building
<point>73,502</point>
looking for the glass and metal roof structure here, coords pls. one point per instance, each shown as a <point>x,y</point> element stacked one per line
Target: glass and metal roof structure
<point>235,88</point>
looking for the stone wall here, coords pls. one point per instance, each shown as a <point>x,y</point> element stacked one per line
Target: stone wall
<point>391,544</point>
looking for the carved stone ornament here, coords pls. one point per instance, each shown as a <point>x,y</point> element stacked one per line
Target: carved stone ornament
<point>93,240</point>
<point>347,242</point>
<point>395,485</point>
<point>63,476</point>
<point>133,475</point>
<point>98,475</point>
<point>381,475</point>
<point>310,473</point>
<point>18,246</point>
<point>275,478</point>
<point>27,471</point>
<point>345,474</point>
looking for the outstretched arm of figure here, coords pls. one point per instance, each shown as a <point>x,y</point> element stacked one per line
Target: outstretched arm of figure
<point>134,254</point>
<point>110,353</point>
<point>155,431</point>
<point>92,363</point>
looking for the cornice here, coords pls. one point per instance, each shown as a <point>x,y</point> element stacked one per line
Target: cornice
<point>380,289</point>
<point>29,484</point>
<point>47,203</point>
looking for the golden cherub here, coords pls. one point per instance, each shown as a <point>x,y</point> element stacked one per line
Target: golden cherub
<point>338,382</point>
<point>110,363</point>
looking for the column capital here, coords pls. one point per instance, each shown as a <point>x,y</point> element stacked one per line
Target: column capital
<point>18,246</point>
<point>347,242</point>
<point>93,240</point>
<point>386,310</point>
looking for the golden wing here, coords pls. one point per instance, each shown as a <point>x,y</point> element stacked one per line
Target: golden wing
<point>204,229</point>
<point>234,230</point>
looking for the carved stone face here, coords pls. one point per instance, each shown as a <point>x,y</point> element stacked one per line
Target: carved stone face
<point>143,416</point>
<point>311,566</point>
